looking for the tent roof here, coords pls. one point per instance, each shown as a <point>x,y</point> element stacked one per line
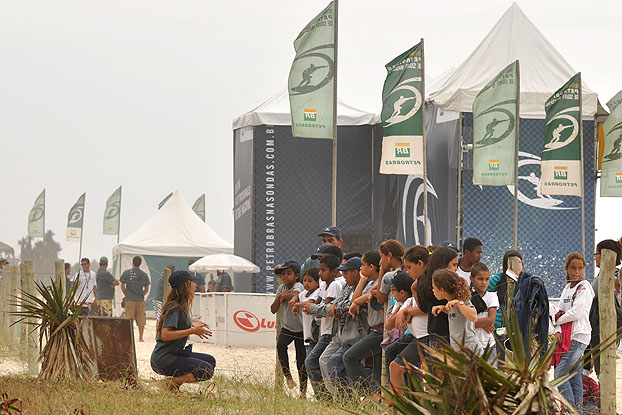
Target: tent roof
<point>175,231</point>
<point>276,111</point>
<point>543,70</point>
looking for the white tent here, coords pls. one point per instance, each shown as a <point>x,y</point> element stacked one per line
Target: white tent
<point>173,231</point>
<point>543,69</point>
<point>276,111</point>
<point>172,235</point>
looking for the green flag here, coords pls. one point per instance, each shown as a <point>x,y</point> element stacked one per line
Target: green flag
<point>311,82</point>
<point>561,165</point>
<point>495,133</point>
<point>112,214</point>
<point>199,207</point>
<point>75,220</point>
<point>163,202</point>
<point>36,218</point>
<point>402,114</point>
<point>611,167</point>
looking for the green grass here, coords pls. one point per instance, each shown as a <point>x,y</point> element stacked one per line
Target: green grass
<point>219,396</point>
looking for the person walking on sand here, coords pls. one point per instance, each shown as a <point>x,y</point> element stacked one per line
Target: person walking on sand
<point>171,356</point>
<point>135,285</point>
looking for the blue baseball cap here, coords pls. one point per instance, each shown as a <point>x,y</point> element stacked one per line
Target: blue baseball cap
<point>332,231</point>
<point>352,263</point>
<point>294,265</point>
<point>177,278</point>
<point>320,251</point>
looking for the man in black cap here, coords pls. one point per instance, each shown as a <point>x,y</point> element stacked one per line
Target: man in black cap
<point>330,235</point>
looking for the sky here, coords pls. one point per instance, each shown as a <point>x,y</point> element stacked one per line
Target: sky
<point>97,94</point>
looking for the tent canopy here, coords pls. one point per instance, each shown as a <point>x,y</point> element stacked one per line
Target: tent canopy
<point>543,70</point>
<point>174,231</point>
<point>276,111</point>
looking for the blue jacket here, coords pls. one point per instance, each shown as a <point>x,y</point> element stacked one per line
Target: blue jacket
<point>531,302</point>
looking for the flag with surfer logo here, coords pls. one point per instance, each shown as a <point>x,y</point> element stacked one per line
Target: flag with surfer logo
<point>495,117</point>
<point>311,79</point>
<point>402,114</point>
<point>611,165</point>
<point>112,214</point>
<point>562,169</point>
<point>75,220</point>
<point>199,207</point>
<point>36,218</point>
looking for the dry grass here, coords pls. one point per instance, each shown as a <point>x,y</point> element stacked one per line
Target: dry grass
<point>219,396</point>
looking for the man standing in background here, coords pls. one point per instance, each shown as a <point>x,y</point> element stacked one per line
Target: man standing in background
<point>87,290</point>
<point>135,285</point>
<point>105,288</point>
<point>223,282</point>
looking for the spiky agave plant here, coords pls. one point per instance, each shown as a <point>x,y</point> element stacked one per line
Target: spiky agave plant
<point>462,382</point>
<point>62,349</point>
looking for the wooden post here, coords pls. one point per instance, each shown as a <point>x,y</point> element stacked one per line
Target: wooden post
<point>10,272</point>
<point>59,273</point>
<point>28,336</point>
<point>4,321</point>
<point>607,314</point>
<point>167,287</point>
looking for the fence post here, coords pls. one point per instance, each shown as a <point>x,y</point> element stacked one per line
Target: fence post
<point>28,333</point>
<point>10,272</point>
<point>607,314</point>
<point>4,321</point>
<point>59,275</point>
<point>166,286</point>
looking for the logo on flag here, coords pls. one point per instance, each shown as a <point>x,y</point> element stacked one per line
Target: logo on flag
<point>493,165</point>
<point>560,173</point>
<point>402,150</point>
<point>309,115</point>
<point>565,130</point>
<point>618,178</point>
<point>404,100</point>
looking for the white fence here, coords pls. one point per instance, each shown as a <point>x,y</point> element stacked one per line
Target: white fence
<point>237,319</point>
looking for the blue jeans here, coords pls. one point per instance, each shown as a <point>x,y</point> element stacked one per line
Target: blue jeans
<point>394,349</point>
<point>312,363</point>
<point>201,365</point>
<point>353,359</point>
<point>572,389</point>
<point>337,369</point>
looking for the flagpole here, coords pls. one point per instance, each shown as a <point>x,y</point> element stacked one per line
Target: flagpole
<point>516,144</point>
<point>82,229</point>
<point>426,239</point>
<point>581,167</point>
<point>334,178</point>
<point>119,223</point>
<point>44,213</point>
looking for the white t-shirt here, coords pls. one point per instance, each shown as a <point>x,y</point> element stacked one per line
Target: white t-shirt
<point>86,283</point>
<point>464,274</point>
<point>576,302</point>
<point>418,326</point>
<point>326,323</point>
<point>307,319</point>
<point>484,338</point>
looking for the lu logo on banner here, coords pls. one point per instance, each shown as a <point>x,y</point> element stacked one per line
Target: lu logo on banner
<point>611,167</point>
<point>36,218</point>
<point>199,207</point>
<point>75,220</point>
<point>495,114</point>
<point>402,114</point>
<point>311,81</point>
<point>112,214</point>
<point>562,168</point>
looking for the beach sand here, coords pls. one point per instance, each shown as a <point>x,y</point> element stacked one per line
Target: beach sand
<point>254,363</point>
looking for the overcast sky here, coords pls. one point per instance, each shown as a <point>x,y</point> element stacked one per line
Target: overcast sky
<point>97,94</point>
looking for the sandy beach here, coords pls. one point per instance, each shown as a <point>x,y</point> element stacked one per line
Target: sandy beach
<point>255,363</point>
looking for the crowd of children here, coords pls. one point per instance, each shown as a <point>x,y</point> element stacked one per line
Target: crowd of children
<point>349,308</point>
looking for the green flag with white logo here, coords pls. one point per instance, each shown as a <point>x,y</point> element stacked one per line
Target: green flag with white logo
<point>311,81</point>
<point>112,214</point>
<point>402,114</point>
<point>611,166</point>
<point>163,202</point>
<point>495,117</point>
<point>75,220</point>
<point>36,218</point>
<point>199,207</point>
<point>561,165</point>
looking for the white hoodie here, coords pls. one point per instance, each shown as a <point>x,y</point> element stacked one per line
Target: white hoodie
<point>576,302</point>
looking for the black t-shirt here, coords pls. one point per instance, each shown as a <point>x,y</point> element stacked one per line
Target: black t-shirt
<point>437,325</point>
<point>135,279</point>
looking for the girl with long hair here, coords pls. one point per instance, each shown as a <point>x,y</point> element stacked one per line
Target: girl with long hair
<point>171,356</point>
<point>572,328</point>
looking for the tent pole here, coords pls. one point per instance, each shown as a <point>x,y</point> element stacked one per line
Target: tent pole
<point>581,168</point>
<point>334,178</point>
<point>459,182</point>
<point>119,224</point>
